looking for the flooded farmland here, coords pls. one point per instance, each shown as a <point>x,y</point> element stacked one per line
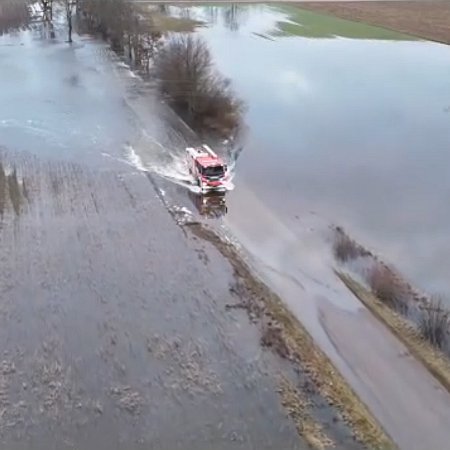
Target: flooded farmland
<point>345,123</point>
<point>336,119</point>
<point>119,328</point>
<point>123,329</point>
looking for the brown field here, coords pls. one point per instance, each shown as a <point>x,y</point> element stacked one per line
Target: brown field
<point>428,20</point>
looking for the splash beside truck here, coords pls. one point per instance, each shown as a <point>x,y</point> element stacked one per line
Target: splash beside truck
<point>209,170</point>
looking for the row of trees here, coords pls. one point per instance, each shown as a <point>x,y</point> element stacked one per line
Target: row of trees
<point>128,31</point>
<point>14,14</point>
<point>70,6</point>
<point>182,63</point>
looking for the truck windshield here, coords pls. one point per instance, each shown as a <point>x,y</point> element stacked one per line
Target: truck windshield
<point>213,171</point>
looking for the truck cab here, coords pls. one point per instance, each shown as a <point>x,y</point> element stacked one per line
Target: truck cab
<point>208,170</point>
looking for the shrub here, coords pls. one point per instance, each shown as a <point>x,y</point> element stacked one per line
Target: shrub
<point>113,19</point>
<point>386,286</point>
<point>14,14</point>
<point>434,324</point>
<point>201,95</point>
<point>345,249</point>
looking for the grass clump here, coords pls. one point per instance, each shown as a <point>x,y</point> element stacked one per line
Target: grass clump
<point>434,324</point>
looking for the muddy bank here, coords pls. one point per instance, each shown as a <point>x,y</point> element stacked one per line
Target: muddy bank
<point>429,19</point>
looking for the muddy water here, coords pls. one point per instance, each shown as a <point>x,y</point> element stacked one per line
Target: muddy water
<point>348,121</point>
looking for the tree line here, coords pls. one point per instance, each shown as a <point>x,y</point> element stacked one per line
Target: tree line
<point>14,14</point>
<point>182,62</point>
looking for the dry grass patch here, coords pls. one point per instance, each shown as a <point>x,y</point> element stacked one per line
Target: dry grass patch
<point>297,408</point>
<point>434,324</point>
<point>388,288</point>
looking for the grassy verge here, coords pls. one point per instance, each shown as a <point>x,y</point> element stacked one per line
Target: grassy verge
<point>293,342</point>
<point>433,359</point>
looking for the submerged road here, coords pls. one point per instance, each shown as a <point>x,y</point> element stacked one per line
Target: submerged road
<point>295,259</point>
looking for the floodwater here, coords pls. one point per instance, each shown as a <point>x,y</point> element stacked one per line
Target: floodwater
<point>343,127</point>
<point>113,321</point>
<point>348,121</point>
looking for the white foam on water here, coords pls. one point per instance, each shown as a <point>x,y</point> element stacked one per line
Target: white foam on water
<point>133,75</point>
<point>177,172</point>
<point>29,126</point>
<point>182,209</point>
<point>173,167</point>
<point>134,159</point>
<point>107,155</point>
<point>130,72</point>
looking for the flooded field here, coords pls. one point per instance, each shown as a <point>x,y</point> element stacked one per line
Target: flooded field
<point>121,326</point>
<point>342,122</point>
<point>336,114</point>
<point>332,136</point>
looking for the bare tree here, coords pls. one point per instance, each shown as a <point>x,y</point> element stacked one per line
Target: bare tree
<point>434,324</point>
<point>47,15</point>
<point>47,10</point>
<point>70,7</point>
<point>128,31</point>
<point>14,14</point>
<point>187,76</point>
<point>113,19</point>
